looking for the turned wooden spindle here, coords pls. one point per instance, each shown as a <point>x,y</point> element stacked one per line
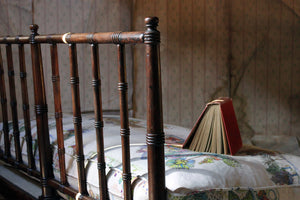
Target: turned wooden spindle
<point>41,112</point>
<point>58,113</point>
<point>26,112</point>
<point>77,120</point>
<point>124,131</point>
<point>13,103</point>
<point>155,134</point>
<point>4,110</point>
<point>96,83</point>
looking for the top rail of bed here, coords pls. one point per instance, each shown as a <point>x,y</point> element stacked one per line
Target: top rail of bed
<point>154,137</point>
<point>117,37</point>
<point>99,38</point>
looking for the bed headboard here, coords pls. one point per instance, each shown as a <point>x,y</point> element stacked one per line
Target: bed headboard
<point>155,135</point>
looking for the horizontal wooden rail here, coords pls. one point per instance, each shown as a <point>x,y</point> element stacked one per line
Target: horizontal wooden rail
<point>100,38</point>
<point>52,182</point>
<point>23,167</point>
<point>67,190</point>
<point>14,40</point>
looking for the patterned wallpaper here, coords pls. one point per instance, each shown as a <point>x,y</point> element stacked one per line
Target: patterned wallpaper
<point>259,40</point>
<point>61,16</point>
<point>266,58</point>
<point>193,55</point>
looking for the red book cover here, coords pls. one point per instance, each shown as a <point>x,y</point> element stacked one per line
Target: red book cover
<point>231,126</point>
<point>229,123</point>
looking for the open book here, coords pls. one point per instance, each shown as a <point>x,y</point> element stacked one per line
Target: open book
<point>216,130</point>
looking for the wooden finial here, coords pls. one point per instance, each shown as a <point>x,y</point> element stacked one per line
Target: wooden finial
<point>151,22</point>
<point>151,35</point>
<point>34,28</point>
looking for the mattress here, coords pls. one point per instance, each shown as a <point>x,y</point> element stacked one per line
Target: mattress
<point>189,175</point>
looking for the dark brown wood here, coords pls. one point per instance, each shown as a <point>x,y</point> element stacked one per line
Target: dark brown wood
<point>74,80</point>
<point>106,37</point>
<point>124,131</point>
<point>41,110</point>
<point>4,110</point>
<point>26,113</point>
<point>96,82</point>
<point>67,190</point>
<point>13,103</point>
<point>58,113</point>
<point>155,134</point>
<point>15,40</point>
<point>100,38</point>
<point>22,167</point>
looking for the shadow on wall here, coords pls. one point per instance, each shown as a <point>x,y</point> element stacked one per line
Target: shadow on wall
<point>293,100</point>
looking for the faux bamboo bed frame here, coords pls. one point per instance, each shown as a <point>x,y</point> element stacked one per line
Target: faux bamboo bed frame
<point>154,137</point>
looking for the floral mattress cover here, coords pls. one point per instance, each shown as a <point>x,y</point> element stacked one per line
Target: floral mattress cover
<point>189,175</point>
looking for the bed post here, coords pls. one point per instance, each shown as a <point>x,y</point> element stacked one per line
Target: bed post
<point>155,135</point>
<point>41,110</point>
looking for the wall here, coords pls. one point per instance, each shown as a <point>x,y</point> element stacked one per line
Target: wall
<point>265,48</point>
<point>258,40</point>
<point>194,45</point>
<point>58,16</point>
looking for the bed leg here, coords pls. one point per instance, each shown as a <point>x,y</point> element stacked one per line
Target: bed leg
<point>41,110</point>
<point>155,134</point>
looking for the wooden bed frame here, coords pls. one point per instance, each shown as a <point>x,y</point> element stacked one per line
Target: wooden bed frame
<point>155,135</point>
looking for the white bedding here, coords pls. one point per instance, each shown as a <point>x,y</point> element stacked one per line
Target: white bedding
<point>189,175</point>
